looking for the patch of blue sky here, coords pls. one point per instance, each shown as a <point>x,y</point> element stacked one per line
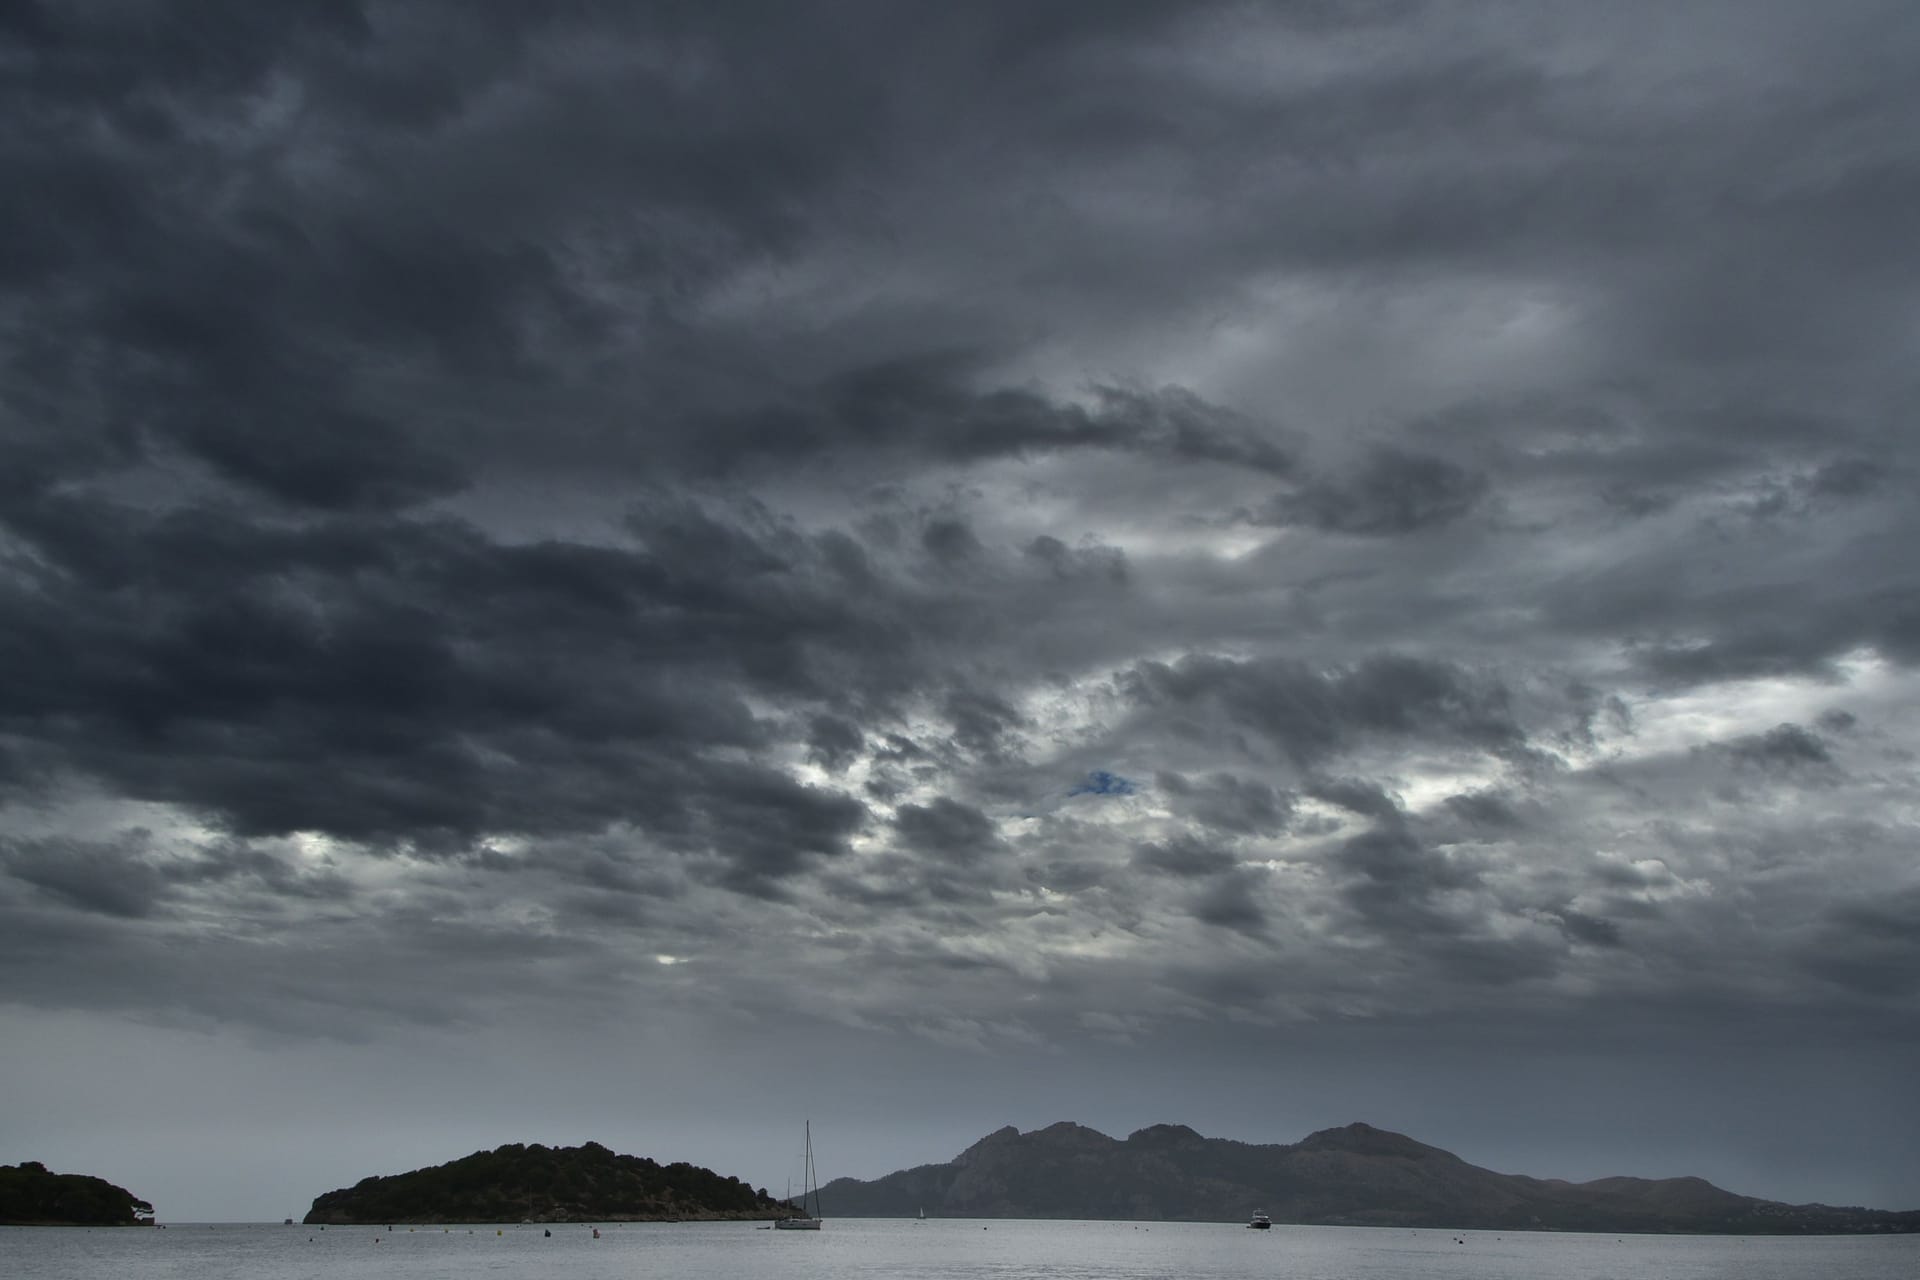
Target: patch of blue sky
<point>1102,783</point>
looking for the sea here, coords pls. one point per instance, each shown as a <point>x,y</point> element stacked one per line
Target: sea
<point>947,1249</point>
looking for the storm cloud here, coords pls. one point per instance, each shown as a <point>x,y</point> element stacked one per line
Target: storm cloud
<point>979,536</point>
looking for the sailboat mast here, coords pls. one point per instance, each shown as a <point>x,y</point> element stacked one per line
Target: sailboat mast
<point>813,1181</point>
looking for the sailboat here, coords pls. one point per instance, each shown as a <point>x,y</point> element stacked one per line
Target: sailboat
<point>809,1219</point>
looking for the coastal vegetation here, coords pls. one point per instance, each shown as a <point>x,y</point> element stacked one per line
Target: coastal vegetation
<point>534,1183</point>
<point>32,1195</point>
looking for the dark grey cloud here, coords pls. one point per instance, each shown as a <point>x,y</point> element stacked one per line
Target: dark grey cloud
<point>1592,930</point>
<point>993,533</point>
<point>1307,714</point>
<point>1391,493</point>
<point>1484,810</point>
<point>1230,902</point>
<point>980,720</point>
<point>946,830</point>
<point>1394,877</point>
<point>1869,948</point>
<point>1785,747</point>
<point>1066,563</point>
<point>1357,795</point>
<point>111,879</point>
<point>1183,856</point>
<point>414,683</point>
<point>947,407</point>
<point>834,742</point>
<point>1229,802</point>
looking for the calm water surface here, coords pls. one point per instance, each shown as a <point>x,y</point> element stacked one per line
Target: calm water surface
<point>950,1249</point>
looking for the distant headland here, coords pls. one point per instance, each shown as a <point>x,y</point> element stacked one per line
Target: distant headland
<point>534,1183</point>
<point>33,1196</point>
<point>1352,1176</point>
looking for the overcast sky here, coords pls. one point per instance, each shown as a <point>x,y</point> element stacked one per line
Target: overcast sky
<point>644,572</point>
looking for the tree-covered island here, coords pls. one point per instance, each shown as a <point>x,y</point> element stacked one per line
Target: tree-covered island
<point>33,1196</point>
<point>535,1183</point>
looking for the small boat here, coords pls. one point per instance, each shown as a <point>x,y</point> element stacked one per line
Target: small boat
<point>1260,1222</point>
<point>809,1218</point>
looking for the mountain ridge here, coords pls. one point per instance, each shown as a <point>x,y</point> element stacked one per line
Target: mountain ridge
<point>1351,1175</point>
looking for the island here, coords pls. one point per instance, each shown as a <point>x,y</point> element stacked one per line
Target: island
<point>1355,1175</point>
<point>33,1196</point>
<point>535,1183</point>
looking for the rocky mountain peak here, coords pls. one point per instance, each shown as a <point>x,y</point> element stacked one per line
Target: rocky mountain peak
<point>1365,1140</point>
